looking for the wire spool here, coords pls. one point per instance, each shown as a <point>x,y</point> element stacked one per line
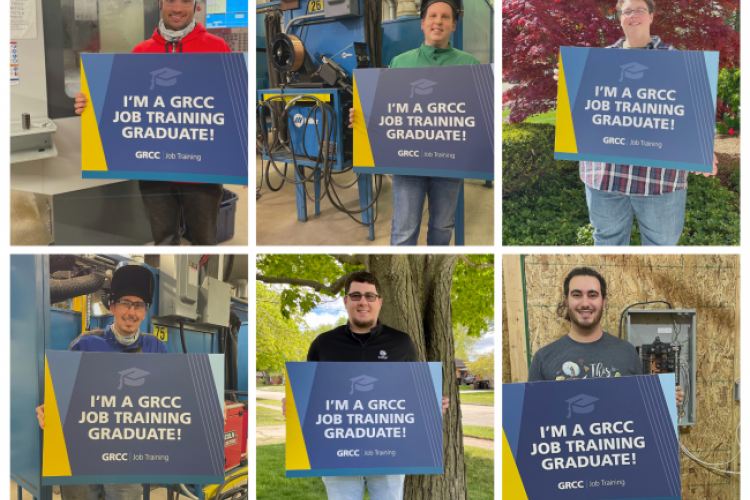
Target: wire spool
<point>287,52</point>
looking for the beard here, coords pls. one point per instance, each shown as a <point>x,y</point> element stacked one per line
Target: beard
<point>363,324</point>
<point>594,320</point>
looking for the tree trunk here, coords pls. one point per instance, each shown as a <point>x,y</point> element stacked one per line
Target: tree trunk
<point>416,292</point>
<point>266,377</point>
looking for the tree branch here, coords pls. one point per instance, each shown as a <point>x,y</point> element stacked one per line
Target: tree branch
<point>333,289</point>
<point>354,260</point>
<point>471,264</point>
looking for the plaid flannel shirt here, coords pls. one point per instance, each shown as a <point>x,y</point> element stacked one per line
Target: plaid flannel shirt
<point>631,179</point>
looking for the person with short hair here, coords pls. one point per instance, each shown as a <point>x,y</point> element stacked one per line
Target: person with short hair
<point>178,32</point>
<point>439,18</point>
<point>363,338</point>
<point>615,193</point>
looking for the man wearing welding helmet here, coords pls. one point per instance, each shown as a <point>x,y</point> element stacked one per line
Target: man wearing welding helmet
<point>178,32</point>
<point>132,293</point>
<point>439,18</point>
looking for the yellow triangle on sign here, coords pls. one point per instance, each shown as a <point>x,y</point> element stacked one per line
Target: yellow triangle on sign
<point>565,134</point>
<point>54,452</point>
<point>296,451</point>
<point>512,482</point>
<point>362,149</point>
<point>92,151</point>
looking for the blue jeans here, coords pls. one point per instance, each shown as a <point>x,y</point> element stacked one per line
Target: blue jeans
<point>110,491</point>
<point>409,192</point>
<point>660,217</point>
<point>353,487</point>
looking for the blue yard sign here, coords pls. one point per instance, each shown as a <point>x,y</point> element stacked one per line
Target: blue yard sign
<point>435,121</point>
<point>133,418</point>
<point>652,108</point>
<point>169,117</point>
<point>355,419</point>
<point>591,439</point>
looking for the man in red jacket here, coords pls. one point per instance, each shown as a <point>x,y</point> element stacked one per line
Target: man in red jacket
<point>178,33</point>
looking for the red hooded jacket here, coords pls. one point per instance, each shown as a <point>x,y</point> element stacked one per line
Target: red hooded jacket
<point>198,40</point>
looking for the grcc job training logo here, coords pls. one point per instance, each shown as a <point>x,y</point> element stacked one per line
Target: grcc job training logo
<point>164,77</point>
<point>133,377</point>
<point>422,87</point>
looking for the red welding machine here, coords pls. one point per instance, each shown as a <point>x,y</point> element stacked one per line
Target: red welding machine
<point>235,434</point>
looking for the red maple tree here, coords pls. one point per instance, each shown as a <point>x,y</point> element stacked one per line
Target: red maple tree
<point>534,30</point>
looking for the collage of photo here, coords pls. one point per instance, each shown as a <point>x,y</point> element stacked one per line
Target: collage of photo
<point>375,126</point>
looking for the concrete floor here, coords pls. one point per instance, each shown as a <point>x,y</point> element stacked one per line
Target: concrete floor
<point>157,493</point>
<point>277,224</point>
<point>27,229</point>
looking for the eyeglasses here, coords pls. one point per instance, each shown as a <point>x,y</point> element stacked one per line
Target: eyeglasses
<point>139,306</point>
<point>356,297</point>
<point>631,12</point>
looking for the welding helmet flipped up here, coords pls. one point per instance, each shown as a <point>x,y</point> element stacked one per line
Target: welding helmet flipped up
<point>132,279</point>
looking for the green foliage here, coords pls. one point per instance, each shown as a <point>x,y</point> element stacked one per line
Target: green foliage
<point>463,343</point>
<point>554,212</point>
<point>712,214</point>
<point>528,155</point>
<point>278,338</point>
<point>267,417</point>
<point>734,179</point>
<point>321,268</point>
<point>729,88</point>
<point>472,290</point>
<point>473,295</point>
<point>483,366</point>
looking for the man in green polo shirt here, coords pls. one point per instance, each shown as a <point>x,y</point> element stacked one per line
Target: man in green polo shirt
<point>439,18</point>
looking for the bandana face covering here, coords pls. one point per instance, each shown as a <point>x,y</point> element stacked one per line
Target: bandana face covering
<point>128,341</point>
<point>175,36</point>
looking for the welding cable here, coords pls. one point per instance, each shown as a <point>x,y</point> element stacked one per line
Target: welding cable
<point>639,304</point>
<point>328,129</point>
<point>187,493</point>
<point>220,494</point>
<point>182,336</point>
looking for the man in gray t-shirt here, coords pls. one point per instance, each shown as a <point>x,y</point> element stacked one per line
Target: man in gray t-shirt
<point>586,351</point>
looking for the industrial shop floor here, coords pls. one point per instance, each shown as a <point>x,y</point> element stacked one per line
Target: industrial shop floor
<point>277,224</point>
<point>27,229</point>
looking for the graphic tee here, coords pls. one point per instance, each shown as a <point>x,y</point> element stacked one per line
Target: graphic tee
<point>566,359</point>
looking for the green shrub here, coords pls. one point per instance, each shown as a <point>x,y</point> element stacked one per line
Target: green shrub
<point>554,212</point>
<point>729,88</point>
<point>528,155</point>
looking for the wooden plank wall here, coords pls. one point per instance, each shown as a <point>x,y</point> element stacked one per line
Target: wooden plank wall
<point>707,283</point>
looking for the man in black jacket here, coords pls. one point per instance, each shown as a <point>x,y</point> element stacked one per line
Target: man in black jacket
<point>363,338</point>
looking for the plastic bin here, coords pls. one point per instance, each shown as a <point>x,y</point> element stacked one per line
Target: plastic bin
<point>224,220</point>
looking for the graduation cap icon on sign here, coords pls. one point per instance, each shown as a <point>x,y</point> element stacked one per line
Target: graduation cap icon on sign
<point>423,86</point>
<point>133,377</point>
<point>363,383</point>
<point>633,71</point>
<point>583,403</point>
<point>164,77</point>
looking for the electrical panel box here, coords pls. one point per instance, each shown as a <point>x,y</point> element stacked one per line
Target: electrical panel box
<point>214,299</point>
<point>340,8</point>
<point>178,286</point>
<point>665,341</point>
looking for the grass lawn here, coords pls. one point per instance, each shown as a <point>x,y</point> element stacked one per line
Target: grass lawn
<point>548,117</point>
<point>479,398</point>
<point>271,402</point>
<point>272,388</point>
<point>267,417</point>
<point>479,431</point>
<point>465,388</point>
<point>272,485</point>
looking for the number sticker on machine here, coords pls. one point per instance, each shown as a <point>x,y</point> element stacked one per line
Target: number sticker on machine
<point>314,6</point>
<point>230,438</point>
<point>160,332</point>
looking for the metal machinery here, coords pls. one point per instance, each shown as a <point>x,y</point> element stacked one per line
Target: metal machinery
<point>55,298</point>
<point>307,51</point>
<point>665,341</point>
